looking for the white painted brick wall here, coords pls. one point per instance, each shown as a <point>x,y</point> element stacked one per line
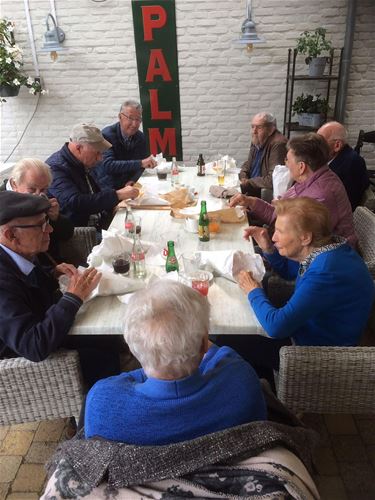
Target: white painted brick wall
<point>220,85</point>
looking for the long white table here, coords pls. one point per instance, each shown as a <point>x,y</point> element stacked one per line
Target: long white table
<point>230,310</point>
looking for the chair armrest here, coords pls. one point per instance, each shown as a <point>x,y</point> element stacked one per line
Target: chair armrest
<point>78,247</point>
<point>327,379</point>
<point>49,389</point>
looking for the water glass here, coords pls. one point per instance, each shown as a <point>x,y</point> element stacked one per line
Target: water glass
<point>191,262</point>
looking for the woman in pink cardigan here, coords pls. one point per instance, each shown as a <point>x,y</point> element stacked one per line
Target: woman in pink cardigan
<point>307,159</point>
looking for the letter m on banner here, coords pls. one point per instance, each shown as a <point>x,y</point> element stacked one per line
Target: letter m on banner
<point>156,49</point>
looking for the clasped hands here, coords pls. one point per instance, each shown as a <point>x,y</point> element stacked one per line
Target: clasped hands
<point>246,279</point>
<point>80,284</point>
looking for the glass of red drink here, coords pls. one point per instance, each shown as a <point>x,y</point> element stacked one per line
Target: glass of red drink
<point>200,281</point>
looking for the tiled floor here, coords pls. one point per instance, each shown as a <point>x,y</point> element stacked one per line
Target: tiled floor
<point>345,460</point>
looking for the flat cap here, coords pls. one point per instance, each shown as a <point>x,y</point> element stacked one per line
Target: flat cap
<point>88,133</point>
<point>14,205</point>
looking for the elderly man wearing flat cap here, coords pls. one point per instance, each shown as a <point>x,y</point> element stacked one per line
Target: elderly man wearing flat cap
<point>79,196</point>
<point>35,316</point>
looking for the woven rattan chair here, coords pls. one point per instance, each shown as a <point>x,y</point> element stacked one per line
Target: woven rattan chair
<point>364,223</point>
<point>40,391</point>
<point>327,379</point>
<point>76,250</point>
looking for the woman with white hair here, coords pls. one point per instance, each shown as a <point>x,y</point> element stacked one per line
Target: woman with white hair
<point>187,386</point>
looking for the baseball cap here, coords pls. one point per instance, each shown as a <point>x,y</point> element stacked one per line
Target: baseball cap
<point>90,134</point>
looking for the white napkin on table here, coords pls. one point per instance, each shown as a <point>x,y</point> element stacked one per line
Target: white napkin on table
<point>228,263</point>
<point>113,243</point>
<point>149,197</point>
<point>110,283</point>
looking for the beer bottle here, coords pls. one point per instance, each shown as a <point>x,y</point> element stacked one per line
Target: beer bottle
<point>201,166</point>
<point>203,229</point>
<point>172,262</point>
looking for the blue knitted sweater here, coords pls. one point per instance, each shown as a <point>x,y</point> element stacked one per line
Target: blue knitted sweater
<point>134,409</point>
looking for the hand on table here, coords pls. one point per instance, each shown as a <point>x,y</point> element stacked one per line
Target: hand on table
<point>149,162</point>
<point>127,192</point>
<point>247,282</point>
<point>82,284</point>
<point>261,237</point>
<point>242,200</point>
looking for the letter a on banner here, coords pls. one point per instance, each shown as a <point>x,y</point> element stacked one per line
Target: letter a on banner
<point>156,49</point>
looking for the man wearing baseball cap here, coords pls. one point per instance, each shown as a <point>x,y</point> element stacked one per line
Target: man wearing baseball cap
<point>35,316</point>
<point>79,196</point>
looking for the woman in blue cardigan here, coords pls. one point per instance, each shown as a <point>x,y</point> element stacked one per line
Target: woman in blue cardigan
<point>333,294</point>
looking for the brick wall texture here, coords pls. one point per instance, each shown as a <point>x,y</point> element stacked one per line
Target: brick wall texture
<point>221,86</point>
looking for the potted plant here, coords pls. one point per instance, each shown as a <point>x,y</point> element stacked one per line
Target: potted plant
<point>313,43</point>
<point>311,110</point>
<point>12,76</point>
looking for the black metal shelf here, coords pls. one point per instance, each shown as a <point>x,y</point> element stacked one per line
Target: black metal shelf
<point>291,78</point>
<point>323,78</point>
<point>300,128</point>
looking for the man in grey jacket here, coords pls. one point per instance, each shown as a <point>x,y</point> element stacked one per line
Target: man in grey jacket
<point>268,149</point>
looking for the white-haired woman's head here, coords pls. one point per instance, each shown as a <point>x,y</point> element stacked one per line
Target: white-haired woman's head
<point>166,328</point>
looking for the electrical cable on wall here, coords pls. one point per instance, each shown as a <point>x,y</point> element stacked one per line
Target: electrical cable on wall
<point>37,73</point>
<point>24,131</point>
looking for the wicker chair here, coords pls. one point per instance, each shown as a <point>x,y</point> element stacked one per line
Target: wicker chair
<point>40,391</point>
<point>327,379</point>
<point>76,250</point>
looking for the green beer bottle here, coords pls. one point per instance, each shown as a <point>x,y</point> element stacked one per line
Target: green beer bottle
<point>172,262</point>
<point>203,229</point>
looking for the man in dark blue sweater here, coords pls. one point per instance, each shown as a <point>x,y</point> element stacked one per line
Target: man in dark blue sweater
<point>345,162</point>
<point>127,159</point>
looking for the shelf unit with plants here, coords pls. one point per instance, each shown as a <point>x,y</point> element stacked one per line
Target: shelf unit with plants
<point>311,110</point>
<point>323,96</point>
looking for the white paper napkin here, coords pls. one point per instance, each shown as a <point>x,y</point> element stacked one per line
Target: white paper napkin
<point>228,263</point>
<point>113,243</point>
<point>149,197</point>
<point>110,283</point>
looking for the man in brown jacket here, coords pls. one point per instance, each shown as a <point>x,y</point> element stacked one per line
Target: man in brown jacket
<point>268,149</point>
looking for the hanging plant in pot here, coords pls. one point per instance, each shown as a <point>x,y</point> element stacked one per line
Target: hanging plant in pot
<point>310,110</point>
<point>12,77</point>
<point>313,43</point>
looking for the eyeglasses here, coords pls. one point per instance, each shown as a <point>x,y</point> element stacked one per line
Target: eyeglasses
<point>42,225</point>
<point>135,120</point>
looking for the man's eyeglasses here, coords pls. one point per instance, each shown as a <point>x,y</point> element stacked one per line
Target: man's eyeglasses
<point>135,120</point>
<point>42,225</point>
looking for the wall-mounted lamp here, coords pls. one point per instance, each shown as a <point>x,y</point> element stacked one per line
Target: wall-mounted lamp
<point>248,35</point>
<point>53,38</point>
